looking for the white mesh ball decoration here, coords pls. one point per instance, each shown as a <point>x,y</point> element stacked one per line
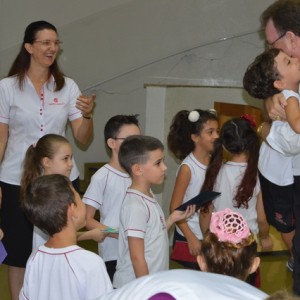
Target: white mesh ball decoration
<point>194,116</point>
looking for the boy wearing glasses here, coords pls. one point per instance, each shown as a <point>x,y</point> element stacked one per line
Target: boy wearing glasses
<point>108,187</point>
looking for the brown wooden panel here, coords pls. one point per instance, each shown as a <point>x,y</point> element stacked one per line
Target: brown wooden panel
<point>227,111</point>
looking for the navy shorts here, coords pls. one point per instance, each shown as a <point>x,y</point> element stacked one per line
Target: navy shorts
<point>279,204</point>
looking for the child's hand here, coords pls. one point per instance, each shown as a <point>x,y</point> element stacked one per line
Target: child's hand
<point>266,243</point>
<point>113,235</point>
<point>178,215</point>
<point>94,234</point>
<point>194,246</point>
<point>97,235</point>
<point>1,234</point>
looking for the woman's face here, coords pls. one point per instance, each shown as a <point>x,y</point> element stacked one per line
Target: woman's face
<point>44,48</point>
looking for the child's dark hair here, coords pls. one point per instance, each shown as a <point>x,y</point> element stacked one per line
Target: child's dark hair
<point>224,258</point>
<point>46,202</point>
<point>45,147</point>
<point>135,150</point>
<point>180,142</point>
<point>114,124</point>
<point>260,75</point>
<point>237,136</point>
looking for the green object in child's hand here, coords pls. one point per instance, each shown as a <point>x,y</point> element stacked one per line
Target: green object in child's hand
<point>111,230</point>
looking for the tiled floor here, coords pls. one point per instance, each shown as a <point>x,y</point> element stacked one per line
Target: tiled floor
<point>274,274</point>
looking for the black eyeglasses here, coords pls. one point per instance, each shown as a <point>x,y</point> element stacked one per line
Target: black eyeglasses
<point>273,43</point>
<point>119,138</point>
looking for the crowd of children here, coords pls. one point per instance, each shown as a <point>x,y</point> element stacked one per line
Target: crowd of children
<point>132,231</point>
<point>137,243</point>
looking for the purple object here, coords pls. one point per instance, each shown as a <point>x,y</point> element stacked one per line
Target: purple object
<point>162,296</point>
<point>3,252</point>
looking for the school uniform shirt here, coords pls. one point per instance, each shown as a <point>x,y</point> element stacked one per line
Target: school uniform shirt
<point>198,171</point>
<point>286,141</point>
<point>228,179</point>
<point>141,217</point>
<point>64,273</point>
<point>30,116</point>
<point>106,193</point>
<point>186,285</point>
<point>273,164</point>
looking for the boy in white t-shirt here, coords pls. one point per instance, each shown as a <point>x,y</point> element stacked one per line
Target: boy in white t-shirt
<point>272,72</point>
<point>143,238</point>
<point>60,269</point>
<point>108,186</point>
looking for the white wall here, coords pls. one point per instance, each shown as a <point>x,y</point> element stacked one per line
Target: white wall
<point>115,47</point>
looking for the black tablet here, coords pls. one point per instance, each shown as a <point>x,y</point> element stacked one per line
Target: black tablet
<point>199,200</point>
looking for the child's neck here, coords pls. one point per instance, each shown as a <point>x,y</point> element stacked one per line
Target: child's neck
<point>65,238</point>
<point>202,156</point>
<point>293,87</point>
<point>141,186</point>
<point>242,157</point>
<point>114,162</point>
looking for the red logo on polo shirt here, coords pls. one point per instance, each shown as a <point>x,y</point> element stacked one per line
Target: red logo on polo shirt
<point>56,101</point>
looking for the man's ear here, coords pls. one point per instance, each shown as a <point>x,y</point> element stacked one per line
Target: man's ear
<point>255,265</point>
<point>202,263</point>
<point>279,84</point>
<point>292,37</point>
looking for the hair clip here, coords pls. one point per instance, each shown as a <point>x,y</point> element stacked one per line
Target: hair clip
<point>250,119</point>
<point>212,111</point>
<point>229,226</point>
<point>236,128</point>
<point>194,116</point>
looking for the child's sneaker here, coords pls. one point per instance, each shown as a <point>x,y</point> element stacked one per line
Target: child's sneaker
<point>290,264</point>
